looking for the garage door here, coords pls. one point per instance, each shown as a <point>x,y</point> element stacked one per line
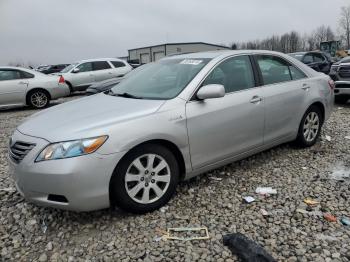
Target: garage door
<point>144,58</point>
<point>158,55</point>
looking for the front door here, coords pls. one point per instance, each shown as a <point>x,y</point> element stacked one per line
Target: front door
<point>224,127</point>
<point>85,77</point>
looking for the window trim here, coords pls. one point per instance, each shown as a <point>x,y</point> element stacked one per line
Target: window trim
<point>113,66</point>
<point>92,68</point>
<point>256,81</point>
<point>290,64</point>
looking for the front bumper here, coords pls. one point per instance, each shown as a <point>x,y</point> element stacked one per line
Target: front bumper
<point>82,181</point>
<point>342,88</point>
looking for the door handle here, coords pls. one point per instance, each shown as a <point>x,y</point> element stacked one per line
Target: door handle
<point>255,99</point>
<point>110,73</point>
<point>305,87</point>
<point>23,83</point>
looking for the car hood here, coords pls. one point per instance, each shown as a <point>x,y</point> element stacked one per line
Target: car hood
<point>86,117</point>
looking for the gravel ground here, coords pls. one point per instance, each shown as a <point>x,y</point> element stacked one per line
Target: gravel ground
<point>112,235</point>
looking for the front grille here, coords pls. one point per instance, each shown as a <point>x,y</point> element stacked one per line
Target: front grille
<point>344,71</point>
<point>19,150</point>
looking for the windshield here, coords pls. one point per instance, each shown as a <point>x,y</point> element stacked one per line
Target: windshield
<point>164,79</point>
<point>298,56</point>
<point>68,68</point>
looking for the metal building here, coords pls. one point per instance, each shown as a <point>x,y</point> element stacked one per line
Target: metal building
<point>148,54</point>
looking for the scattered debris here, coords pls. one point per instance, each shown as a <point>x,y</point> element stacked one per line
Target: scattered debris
<point>311,202</point>
<point>310,213</point>
<point>249,199</point>
<point>304,168</point>
<point>340,108</point>
<point>265,191</point>
<point>340,173</point>
<point>264,212</point>
<point>157,239</point>
<point>214,178</point>
<point>8,189</point>
<point>43,224</point>
<point>345,221</point>
<point>246,249</point>
<point>347,137</point>
<point>330,218</point>
<point>164,209</point>
<point>328,138</point>
<point>170,233</point>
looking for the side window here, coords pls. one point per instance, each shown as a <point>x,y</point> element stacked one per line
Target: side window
<point>117,64</point>
<point>86,67</point>
<point>9,75</point>
<point>318,58</point>
<point>234,74</point>
<point>296,73</point>
<point>26,75</point>
<point>308,58</point>
<point>100,65</point>
<point>273,69</point>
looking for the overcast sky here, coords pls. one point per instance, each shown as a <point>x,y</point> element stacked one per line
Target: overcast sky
<point>64,31</point>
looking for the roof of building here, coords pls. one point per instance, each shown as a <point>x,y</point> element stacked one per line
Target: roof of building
<point>185,43</point>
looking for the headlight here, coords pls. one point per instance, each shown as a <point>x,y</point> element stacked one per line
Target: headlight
<point>71,148</point>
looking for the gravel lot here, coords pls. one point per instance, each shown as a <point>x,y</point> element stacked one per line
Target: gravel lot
<point>112,235</point>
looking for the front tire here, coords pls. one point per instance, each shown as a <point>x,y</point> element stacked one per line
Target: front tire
<point>145,179</point>
<point>310,127</point>
<point>38,99</point>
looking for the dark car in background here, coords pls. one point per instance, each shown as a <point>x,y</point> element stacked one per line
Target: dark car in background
<point>319,61</point>
<point>340,73</point>
<point>52,68</point>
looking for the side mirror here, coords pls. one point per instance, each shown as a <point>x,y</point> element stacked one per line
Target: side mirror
<point>75,70</point>
<point>211,91</point>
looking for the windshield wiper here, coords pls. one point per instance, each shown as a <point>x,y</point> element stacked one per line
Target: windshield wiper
<point>127,95</point>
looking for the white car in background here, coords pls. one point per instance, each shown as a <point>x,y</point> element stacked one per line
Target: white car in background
<point>21,86</point>
<point>79,76</point>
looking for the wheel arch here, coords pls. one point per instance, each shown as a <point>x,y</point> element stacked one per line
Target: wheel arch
<point>69,85</point>
<point>321,107</point>
<point>36,89</point>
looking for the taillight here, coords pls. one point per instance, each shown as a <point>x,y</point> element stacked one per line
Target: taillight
<point>61,80</point>
<point>331,84</point>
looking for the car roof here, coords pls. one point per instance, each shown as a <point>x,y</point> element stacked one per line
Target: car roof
<point>220,53</point>
<point>101,59</point>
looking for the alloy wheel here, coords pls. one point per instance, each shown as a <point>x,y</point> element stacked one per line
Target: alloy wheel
<point>147,178</point>
<point>311,126</point>
<point>38,99</point>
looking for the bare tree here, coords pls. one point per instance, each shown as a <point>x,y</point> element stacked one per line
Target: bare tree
<point>344,25</point>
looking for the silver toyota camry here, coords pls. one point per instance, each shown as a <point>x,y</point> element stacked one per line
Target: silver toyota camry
<point>176,118</point>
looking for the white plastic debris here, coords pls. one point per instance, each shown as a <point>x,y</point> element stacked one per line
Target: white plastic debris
<point>8,189</point>
<point>249,199</point>
<point>328,138</point>
<point>164,209</point>
<point>304,168</point>
<point>214,178</point>
<point>340,173</point>
<point>347,137</point>
<point>265,191</point>
<point>264,212</point>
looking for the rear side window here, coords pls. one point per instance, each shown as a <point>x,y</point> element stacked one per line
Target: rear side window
<point>318,58</point>
<point>296,73</point>
<point>117,64</point>
<point>100,65</point>
<point>26,75</point>
<point>9,75</point>
<point>234,74</point>
<point>273,69</point>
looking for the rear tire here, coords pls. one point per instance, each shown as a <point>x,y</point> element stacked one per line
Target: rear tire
<point>145,179</point>
<point>38,98</point>
<point>341,99</point>
<point>310,127</point>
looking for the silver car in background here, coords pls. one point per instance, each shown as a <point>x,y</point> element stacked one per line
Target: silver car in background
<point>176,118</point>
<point>79,76</point>
<point>21,86</point>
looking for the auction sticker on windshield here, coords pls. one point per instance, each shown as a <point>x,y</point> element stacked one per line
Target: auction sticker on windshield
<point>191,62</point>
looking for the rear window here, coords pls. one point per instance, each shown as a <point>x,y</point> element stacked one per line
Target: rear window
<point>117,64</point>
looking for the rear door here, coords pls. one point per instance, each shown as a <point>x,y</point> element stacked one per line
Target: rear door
<point>223,127</point>
<point>285,89</point>
<point>120,68</point>
<point>13,85</point>
<point>102,70</point>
